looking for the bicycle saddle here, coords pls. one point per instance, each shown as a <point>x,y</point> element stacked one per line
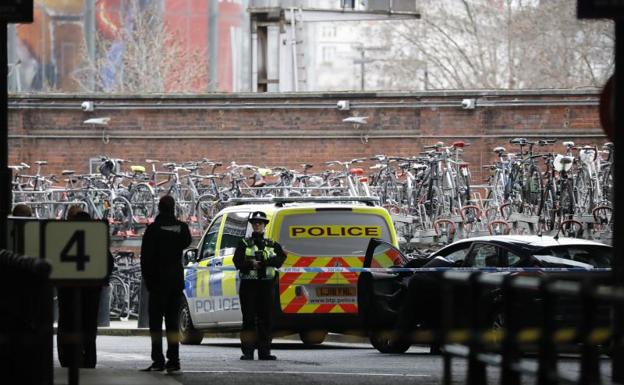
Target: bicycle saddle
<point>460,144</point>
<point>68,172</point>
<point>520,141</point>
<point>356,171</point>
<point>499,150</point>
<point>562,162</point>
<point>137,169</point>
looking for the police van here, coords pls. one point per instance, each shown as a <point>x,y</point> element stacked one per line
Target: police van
<point>315,233</point>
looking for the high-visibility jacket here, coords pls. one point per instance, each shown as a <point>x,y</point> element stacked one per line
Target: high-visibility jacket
<point>272,255</point>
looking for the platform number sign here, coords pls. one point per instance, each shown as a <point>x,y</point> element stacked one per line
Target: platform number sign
<point>78,256</point>
<point>77,251</point>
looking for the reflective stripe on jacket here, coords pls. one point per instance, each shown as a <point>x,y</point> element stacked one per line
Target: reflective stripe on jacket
<point>250,253</point>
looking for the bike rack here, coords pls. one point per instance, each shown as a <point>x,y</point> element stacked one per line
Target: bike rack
<point>499,222</point>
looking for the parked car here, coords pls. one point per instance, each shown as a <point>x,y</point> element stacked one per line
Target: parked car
<point>392,305</point>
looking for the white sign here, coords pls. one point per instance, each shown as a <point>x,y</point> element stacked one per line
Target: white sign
<point>76,250</point>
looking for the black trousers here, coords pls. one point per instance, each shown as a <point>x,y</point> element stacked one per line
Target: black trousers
<point>257,301</point>
<point>165,303</point>
<point>70,334</point>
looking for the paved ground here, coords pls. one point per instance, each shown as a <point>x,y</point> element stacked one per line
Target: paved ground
<point>217,361</point>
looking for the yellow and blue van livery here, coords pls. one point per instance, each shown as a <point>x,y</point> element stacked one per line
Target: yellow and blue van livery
<point>313,235</point>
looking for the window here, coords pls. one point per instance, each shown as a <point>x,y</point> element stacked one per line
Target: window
<point>385,255</point>
<point>329,31</point>
<point>328,53</point>
<point>331,233</point>
<point>210,240</point>
<point>456,252</point>
<point>236,228</point>
<point>485,255</point>
<point>596,256</point>
<point>512,259</point>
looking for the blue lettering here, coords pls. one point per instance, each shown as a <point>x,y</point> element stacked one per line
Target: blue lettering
<point>235,304</point>
<point>226,304</point>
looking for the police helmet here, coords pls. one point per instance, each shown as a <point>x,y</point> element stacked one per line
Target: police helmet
<point>258,216</point>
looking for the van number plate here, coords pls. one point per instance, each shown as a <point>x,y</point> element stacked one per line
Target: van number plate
<point>329,291</point>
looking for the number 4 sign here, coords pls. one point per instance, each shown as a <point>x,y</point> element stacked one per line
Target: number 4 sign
<point>77,251</point>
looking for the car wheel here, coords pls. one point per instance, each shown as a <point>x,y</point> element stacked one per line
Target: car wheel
<point>382,340</point>
<point>188,334</point>
<point>313,337</point>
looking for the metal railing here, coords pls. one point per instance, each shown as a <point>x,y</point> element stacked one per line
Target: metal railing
<point>504,347</point>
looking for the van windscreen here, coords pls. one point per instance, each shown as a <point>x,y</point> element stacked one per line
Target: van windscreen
<point>331,233</point>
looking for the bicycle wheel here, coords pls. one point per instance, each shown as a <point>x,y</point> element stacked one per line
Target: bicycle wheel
<point>436,204</point>
<point>143,201</point>
<point>549,209</point>
<point>532,191</point>
<point>583,192</point>
<point>206,208</point>
<point>607,184</point>
<point>183,209</point>
<point>119,293</point>
<point>566,200</point>
<point>120,214</point>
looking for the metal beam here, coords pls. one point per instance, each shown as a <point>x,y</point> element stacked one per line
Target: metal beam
<point>5,172</point>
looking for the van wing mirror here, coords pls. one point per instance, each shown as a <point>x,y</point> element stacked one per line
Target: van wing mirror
<point>189,256</point>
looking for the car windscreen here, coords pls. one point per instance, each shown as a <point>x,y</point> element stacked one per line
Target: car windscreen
<point>595,255</point>
<point>331,233</point>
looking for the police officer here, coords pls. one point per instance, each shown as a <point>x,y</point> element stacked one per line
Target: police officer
<point>256,258</point>
<point>163,273</point>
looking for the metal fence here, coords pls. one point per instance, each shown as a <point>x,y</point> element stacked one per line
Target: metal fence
<point>589,333</point>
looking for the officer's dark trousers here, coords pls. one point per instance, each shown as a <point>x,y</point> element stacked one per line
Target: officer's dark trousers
<point>256,297</point>
<point>165,303</point>
<point>70,334</point>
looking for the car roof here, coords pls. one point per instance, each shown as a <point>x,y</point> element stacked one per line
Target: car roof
<point>535,241</point>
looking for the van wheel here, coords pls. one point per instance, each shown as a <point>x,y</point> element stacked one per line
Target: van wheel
<point>188,334</point>
<point>382,340</point>
<point>313,337</point>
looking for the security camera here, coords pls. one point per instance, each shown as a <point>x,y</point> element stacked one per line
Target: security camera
<point>343,105</point>
<point>87,106</point>
<point>469,104</point>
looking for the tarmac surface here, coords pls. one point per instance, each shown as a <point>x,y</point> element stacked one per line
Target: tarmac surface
<point>123,376</point>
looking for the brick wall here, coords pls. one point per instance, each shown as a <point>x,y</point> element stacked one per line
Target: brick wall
<point>286,130</point>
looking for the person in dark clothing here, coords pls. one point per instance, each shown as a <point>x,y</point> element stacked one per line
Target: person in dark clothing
<point>21,210</point>
<point>89,306</point>
<point>163,274</point>
<point>256,258</point>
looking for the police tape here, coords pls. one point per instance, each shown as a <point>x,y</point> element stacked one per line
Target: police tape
<point>413,269</point>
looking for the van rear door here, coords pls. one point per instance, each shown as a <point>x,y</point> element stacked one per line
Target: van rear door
<point>325,238</point>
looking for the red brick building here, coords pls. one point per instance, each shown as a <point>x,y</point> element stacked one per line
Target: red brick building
<point>289,129</point>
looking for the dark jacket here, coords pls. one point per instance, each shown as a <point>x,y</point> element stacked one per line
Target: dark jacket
<point>245,264</point>
<point>161,253</point>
